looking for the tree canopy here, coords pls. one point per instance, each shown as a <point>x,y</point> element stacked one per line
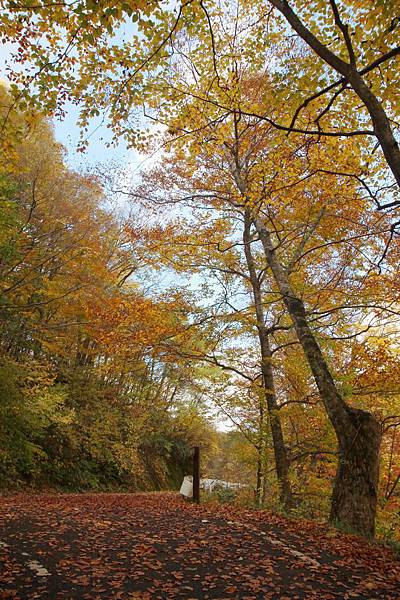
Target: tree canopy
<point>273,210</point>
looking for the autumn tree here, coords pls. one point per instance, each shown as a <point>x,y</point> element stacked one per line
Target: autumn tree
<point>90,396</point>
<point>346,51</point>
<point>259,191</point>
<point>207,242</point>
<point>190,74</point>
<point>359,43</point>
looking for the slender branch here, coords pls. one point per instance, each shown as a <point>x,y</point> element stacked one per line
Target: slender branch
<point>344,28</point>
<point>343,81</point>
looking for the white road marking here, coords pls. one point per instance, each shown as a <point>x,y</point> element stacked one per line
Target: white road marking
<point>40,571</point>
<point>275,542</point>
<point>304,557</point>
<point>34,565</point>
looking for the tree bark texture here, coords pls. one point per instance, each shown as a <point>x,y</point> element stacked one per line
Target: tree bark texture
<point>260,481</point>
<point>354,496</point>
<point>280,452</point>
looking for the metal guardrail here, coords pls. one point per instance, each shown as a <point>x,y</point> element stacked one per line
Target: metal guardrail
<point>208,485</point>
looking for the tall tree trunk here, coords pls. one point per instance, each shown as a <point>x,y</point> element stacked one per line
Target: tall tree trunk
<point>280,453</point>
<point>354,496</point>
<point>260,481</point>
<point>380,121</point>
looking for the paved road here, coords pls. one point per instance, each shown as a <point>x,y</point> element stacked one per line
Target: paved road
<point>157,546</point>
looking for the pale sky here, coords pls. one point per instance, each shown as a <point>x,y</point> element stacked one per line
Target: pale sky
<point>67,132</point>
<point>127,163</point>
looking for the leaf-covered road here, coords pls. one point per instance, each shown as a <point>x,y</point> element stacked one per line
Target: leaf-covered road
<point>117,546</point>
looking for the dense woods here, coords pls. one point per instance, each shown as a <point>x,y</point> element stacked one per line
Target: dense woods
<point>89,399</point>
<point>256,277</point>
